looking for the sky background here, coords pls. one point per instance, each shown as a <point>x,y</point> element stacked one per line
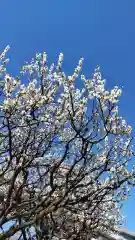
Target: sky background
<point>101,31</point>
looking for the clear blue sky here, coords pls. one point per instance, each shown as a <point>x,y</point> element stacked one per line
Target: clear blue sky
<point>102,31</point>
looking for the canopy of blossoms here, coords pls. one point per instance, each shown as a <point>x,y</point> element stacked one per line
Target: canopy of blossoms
<point>64,152</point>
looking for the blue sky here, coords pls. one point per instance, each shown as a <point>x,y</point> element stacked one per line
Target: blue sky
<point>102,31</point>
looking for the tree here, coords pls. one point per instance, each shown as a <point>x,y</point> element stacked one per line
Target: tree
<point>64,152</point>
